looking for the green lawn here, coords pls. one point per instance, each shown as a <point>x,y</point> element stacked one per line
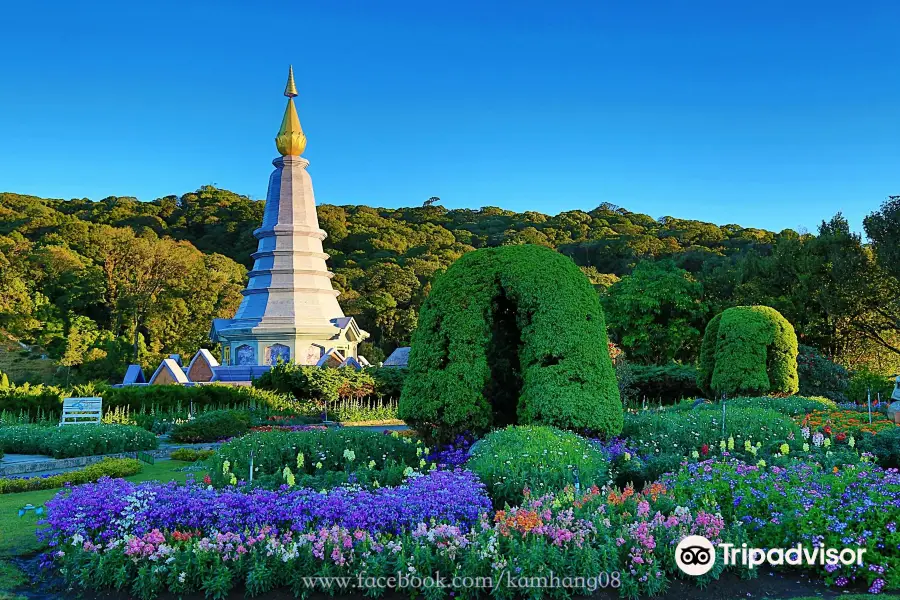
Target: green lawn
<point>17,533</point>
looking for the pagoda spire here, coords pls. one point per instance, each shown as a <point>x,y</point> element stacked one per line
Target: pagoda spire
<point>290,140</point>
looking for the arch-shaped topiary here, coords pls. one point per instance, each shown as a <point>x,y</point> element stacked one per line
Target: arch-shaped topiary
<point>749,350</point>
<point>511,335</point>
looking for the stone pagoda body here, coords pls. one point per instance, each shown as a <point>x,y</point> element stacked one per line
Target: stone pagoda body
<point>289,311</point>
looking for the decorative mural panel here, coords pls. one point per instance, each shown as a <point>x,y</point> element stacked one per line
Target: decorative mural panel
<point>276,353</point>
<point>313,354</point>
<point>245,355</point>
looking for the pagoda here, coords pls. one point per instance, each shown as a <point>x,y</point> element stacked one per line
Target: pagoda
<point>290,310</point>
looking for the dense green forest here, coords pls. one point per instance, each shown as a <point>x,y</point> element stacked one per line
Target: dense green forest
<point>92,284</point>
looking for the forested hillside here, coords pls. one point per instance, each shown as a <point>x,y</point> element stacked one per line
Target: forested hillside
<point>92,283</point>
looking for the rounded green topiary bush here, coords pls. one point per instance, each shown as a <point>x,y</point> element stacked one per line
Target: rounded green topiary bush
<point>541,459</point>
<point>511,335</point>
<point>212,426</point>
<point>749,350</point>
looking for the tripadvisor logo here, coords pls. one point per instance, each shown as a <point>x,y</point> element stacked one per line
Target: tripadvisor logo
<point>695,555</point>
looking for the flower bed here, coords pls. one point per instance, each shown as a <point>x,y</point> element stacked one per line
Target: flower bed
<point>858,505</point>
<point>75,440</point>
<point>318,458</point>
<point>114,507</point>
<point>848,422</point>
<point>621,539</point>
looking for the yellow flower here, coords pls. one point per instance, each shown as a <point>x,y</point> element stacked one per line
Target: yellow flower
<point>730,443</point>
<point>723,445</point>
<point>695,454</point>
<point>748,447</point>
<point>418,452</point>
<point>300,460</point>
<point>408,471</point>
<point>225,466</point>
<point>785,449</point>
<point>761,463</point>
<point>827,442</point>
<point>233,479</point>
<point>851,442</point>
<point>806,447</point>
<point>421,463</point>
<point>628,456</point>
<point>433,466</point>
<point>349,454</point>
<point>288,476</point>
<point>371,464</point>
<point>319,465</point>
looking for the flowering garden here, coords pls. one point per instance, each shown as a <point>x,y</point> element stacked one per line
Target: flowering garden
<point>542,486</point>
<point>366,505</point>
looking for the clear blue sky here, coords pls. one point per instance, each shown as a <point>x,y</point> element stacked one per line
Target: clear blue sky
<point>768,113</point>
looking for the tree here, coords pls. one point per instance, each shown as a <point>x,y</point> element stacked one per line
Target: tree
<point>655,313</point>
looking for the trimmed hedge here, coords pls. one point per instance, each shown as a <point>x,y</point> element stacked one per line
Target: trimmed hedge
<point>75,440</point>
<point>46,401</point>
<point>170,397</point>
<point>191,454</point>
<point>749,350</point>
<point>108,467</point>
<point>511,335</point>
<point>212,426</point>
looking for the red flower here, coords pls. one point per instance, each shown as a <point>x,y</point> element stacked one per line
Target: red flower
<point>828,429</point>
<point>841,436</point>
<point>207,480</point>
<point>704,449</point>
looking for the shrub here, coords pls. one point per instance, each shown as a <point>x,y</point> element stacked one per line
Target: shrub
<point>108,467</point>
<point>191,454</point>
<point>388,380</point>
<point>212,426</point>
<point>885,445</point>
<point>864,381</point>
<point>75,440</point>
<point>541,459</point>
<point>316,383</point>
<point>318,458</point>
<point>511,335</point>
<point>669,382</point>
<point>820,376</point>
<point>749,350</point>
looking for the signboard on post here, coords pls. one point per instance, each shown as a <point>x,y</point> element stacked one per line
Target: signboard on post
<point>81,410</point>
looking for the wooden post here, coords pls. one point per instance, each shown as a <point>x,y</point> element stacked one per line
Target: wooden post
<point>724,397</point>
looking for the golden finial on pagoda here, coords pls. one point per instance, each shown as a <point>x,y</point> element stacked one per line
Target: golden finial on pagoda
<point>290,90</point>
<point>290,140</point>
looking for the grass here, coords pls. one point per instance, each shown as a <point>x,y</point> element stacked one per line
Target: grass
<point>17,534</point>
<point>18,364</point>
